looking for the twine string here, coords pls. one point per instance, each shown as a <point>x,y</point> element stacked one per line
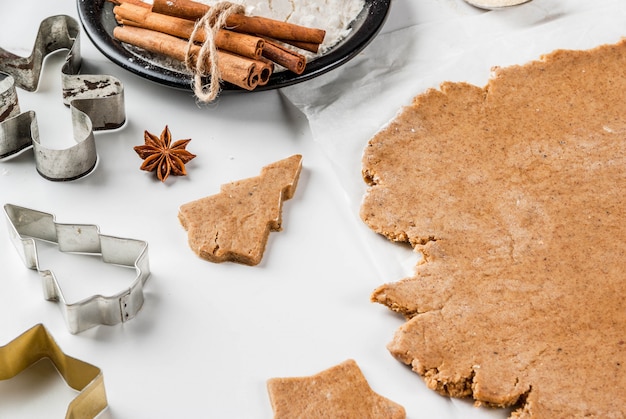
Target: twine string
<point>206,62</point>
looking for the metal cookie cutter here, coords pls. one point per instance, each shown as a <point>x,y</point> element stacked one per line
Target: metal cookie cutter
<point>27,225</point>
<point>36,344</point>
<point>96,103</point>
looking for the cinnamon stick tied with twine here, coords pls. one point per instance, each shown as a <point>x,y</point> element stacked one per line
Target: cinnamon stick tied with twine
<point>240,71</point>
<point>207,56</point>
<point>202,28</point>
<point>235,42</point>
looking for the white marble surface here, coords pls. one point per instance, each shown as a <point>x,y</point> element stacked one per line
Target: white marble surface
<point>210,335</point>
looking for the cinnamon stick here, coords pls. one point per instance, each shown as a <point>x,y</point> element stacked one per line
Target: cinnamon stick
<point>307,46</point>
<point>238,43</point>
<point>241,71</point>
<point>271,28</point>
<point>238,70</point>
<point>285,57</point>
<point>265,71</point>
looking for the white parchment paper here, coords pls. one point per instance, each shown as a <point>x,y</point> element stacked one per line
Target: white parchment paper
<point>457,46</point>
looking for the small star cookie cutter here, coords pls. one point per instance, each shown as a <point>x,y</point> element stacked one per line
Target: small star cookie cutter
<point>96,103</point>
<point>36,344</point>
<point>27,225</point>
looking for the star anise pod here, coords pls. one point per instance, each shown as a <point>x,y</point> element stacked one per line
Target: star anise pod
<point>163,157</point>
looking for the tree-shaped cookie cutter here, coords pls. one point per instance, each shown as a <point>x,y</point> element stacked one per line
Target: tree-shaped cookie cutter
<point>36,344</point>
<point>27,225</point>
<point>96,103</point>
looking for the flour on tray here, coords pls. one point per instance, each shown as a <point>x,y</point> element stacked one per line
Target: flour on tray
<point>334,16</point>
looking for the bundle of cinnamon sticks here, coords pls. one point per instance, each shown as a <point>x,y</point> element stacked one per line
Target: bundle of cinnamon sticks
<point>247,48</point>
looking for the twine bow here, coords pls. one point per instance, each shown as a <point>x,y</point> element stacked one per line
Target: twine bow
<point>211,23</point>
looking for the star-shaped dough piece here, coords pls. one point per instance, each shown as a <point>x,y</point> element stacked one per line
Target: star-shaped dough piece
<point>340,392</point>
<point>515,195</point>
<point>234,225</point>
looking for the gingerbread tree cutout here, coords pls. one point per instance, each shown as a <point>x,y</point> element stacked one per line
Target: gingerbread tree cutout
<point>514,194</point>
<point>234,225</point>
<point>340,392</point>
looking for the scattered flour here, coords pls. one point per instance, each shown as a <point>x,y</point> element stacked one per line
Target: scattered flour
<point>334,16</point>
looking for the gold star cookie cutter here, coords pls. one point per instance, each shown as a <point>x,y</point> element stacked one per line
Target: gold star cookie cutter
<point>96,103</point>
<point>28,225</point>
<point>36,344</point>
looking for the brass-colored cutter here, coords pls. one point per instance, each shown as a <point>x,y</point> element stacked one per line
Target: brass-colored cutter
<point>27,225</point>
<point>36,344</point>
